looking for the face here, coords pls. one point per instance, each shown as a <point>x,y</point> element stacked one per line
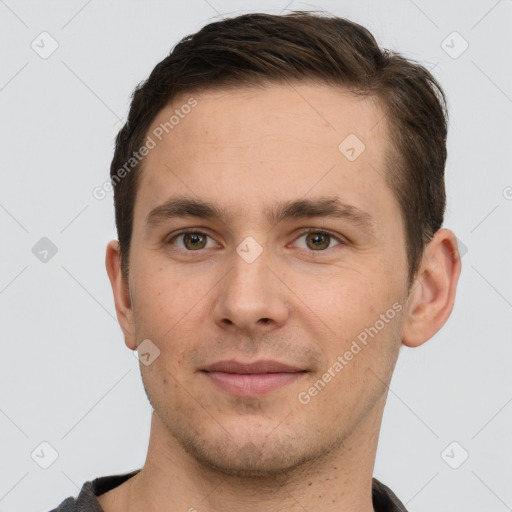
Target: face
<point>298,258</point>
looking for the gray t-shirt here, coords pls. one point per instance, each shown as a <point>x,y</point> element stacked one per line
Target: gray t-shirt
<point>384,500</point>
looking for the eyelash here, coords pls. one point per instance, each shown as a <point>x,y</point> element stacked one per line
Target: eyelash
<point>305,232</point>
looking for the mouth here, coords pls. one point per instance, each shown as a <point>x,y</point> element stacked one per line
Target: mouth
<point>251,379</point>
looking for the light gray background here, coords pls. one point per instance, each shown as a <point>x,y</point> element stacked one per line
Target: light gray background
<point>67,378</point>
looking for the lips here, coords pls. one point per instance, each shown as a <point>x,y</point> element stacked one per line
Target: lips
<point>249,379</point>
<point>266,366</point>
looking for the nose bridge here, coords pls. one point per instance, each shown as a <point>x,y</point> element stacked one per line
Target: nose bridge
<point>251,294</point>
<point>250,263</point>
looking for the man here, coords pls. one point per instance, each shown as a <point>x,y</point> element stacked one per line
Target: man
<point>279,194</point>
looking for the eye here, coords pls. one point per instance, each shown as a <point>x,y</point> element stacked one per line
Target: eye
<point>318,239</point>
<point>191,240</point>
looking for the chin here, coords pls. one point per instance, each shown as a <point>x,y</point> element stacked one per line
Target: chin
<point>250,453</point>
<point>249,460</point>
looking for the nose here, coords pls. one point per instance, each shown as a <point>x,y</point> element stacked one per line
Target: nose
<point>251,297</point>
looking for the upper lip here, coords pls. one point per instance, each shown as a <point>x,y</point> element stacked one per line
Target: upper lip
<point>263,366</point>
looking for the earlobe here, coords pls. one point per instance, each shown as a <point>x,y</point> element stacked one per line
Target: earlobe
<point>432,296</point>
<point>120,289</point>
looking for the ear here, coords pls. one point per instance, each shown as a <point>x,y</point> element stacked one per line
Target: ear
<point>121,291</point>
<point>432,295</point>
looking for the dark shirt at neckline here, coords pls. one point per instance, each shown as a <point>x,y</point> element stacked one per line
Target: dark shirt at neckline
<point>383,498</point>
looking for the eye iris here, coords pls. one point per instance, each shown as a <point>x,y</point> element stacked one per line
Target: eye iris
<point>317,239</point>
<point>194,238</point>
<point>197,241</point>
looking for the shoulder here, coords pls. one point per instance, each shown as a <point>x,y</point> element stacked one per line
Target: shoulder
<point>87,499</point>
<point>85,502</point>
<point>384,499</point>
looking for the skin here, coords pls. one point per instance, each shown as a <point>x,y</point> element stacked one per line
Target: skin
<point>246,149</point>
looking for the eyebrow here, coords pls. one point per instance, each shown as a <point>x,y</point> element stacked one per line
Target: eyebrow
<point>334,207</point>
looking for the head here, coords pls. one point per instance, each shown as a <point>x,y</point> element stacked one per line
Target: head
<point>258,127</point>
<point>262,48</point>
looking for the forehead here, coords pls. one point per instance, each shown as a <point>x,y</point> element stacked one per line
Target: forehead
<point>277,143</point>
<point>312,112</point>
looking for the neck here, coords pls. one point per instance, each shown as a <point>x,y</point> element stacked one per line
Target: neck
<point>171,479</point>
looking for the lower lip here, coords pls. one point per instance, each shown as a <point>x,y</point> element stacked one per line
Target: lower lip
<point>252,384</point>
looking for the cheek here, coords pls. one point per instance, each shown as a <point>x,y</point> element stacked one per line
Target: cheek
<point>352,307</point>
<point>343,299</point>
<point>167,308</point>
<point>163,290</point>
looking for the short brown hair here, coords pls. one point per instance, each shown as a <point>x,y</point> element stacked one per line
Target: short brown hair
<point>263,48</point>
